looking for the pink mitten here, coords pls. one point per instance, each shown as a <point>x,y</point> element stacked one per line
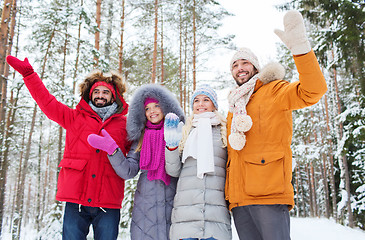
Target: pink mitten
<point>23,67</point>
<point>105,142</point>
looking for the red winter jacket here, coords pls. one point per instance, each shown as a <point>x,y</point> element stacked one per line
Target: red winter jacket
<point>86,176</point>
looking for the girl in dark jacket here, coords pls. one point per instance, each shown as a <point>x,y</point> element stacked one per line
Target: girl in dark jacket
<point>153,200</point>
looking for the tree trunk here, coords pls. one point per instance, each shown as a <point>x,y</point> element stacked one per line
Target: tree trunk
<point>8,135</point>
<point>4,49</point>
<point>154,59</point>
<point>185,70</point>
<point>77,52</point>
<point>180,54</point>
<point>97,33</point>
<point>4,34</point>
<point>20,201</point>
<point>18,196</point>
<point>8,15</point>
<point>302,184</point>
<point>332,167</point>
<point>109,32</point>
<point>194,46</point>
<point>39,211</point>
<point>162,67</point>
<point>297,188</point>
<point>325,185</point>
<point>311,204</point>
<point>47,181</point>
<point>314,195</point>
<point>313,170</point>
<point>325,179</point>
<point>121,38</point>
<point>345,175</point>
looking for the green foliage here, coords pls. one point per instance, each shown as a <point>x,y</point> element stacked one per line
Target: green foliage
<point>342,30</point>
<point>337,34</point>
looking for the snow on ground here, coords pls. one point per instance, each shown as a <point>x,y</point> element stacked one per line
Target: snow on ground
<point>301,229</point>
<point>321,229</point>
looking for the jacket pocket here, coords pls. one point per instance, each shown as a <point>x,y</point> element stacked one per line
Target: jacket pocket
<point>264,174</point>
<point>70,181</point>
<point>112,187</point>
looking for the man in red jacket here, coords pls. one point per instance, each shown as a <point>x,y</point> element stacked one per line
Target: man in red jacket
<point>93,192</point>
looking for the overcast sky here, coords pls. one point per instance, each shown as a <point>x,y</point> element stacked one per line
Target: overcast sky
<point>253,25</point>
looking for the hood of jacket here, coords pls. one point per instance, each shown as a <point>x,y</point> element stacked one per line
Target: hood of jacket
<point>136,119</point>
<point>113,78</point>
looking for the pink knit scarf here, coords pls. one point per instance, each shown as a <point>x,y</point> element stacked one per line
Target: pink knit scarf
<point>152,156</point>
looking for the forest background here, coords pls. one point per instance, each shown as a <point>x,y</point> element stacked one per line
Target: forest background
<point>169,42</point>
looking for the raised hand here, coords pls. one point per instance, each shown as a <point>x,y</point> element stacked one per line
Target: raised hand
<point>23,67</point>
<point>294,34</point>
<point>104,142</point>
<point>172,130</point>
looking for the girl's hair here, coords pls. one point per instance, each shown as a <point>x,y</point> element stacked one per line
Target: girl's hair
<point>189,123</point>
<point>140,141</point>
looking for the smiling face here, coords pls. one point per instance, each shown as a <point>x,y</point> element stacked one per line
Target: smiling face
<point>202,104</point>
<point>154,113</point>
<point>101,96</point>
<point>242,71</point>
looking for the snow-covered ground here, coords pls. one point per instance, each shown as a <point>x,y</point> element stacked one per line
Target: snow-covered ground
<point>321,229</point>
<point>301,229</point>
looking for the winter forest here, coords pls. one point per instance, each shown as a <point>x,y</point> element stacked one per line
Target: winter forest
<point>168,42</point>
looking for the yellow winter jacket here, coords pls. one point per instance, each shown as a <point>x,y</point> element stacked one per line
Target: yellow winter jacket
<point>261,172</point>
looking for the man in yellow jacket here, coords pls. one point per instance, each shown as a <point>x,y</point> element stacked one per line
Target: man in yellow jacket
<point>259,167</point>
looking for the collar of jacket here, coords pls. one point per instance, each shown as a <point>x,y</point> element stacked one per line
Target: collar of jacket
<point>84,106</point>
<point>270,72</point>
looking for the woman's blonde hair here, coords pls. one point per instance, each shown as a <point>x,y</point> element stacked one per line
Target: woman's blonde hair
<point>189,123</point>
<point>140,141</point>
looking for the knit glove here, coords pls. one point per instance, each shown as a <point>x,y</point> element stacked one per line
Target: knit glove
<point>294,34</point>
<point>105,142</point>
<point>23,67</point>
<point>172,130</point>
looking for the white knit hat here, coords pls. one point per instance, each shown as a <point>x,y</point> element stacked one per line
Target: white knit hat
<point>247,54</point>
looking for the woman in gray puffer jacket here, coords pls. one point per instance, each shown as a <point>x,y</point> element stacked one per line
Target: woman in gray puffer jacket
<point>153,199</point>
<point>200,210</point>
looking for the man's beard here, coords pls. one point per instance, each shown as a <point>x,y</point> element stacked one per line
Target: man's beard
<point>251,74</point>
<point>101,104</point>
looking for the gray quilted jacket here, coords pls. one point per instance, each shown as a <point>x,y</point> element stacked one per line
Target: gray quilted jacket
<point>200,209</point>
<point>151,214</point>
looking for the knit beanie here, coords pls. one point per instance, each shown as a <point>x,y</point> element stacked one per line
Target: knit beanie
<point>246,54</point>
<point>149,100</point>
<point>207,91</point>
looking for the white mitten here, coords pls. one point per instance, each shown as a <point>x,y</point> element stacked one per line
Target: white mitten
<point>294,34</point>
<point>172,130</point>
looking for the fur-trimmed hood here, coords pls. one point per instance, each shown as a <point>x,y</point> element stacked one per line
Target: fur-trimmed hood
<point>136,119</point>
<point>271,72</point>
<point>113,78</point>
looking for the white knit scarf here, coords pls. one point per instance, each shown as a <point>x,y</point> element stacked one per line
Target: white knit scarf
<point>199,143</point>
<point>241,122</point>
